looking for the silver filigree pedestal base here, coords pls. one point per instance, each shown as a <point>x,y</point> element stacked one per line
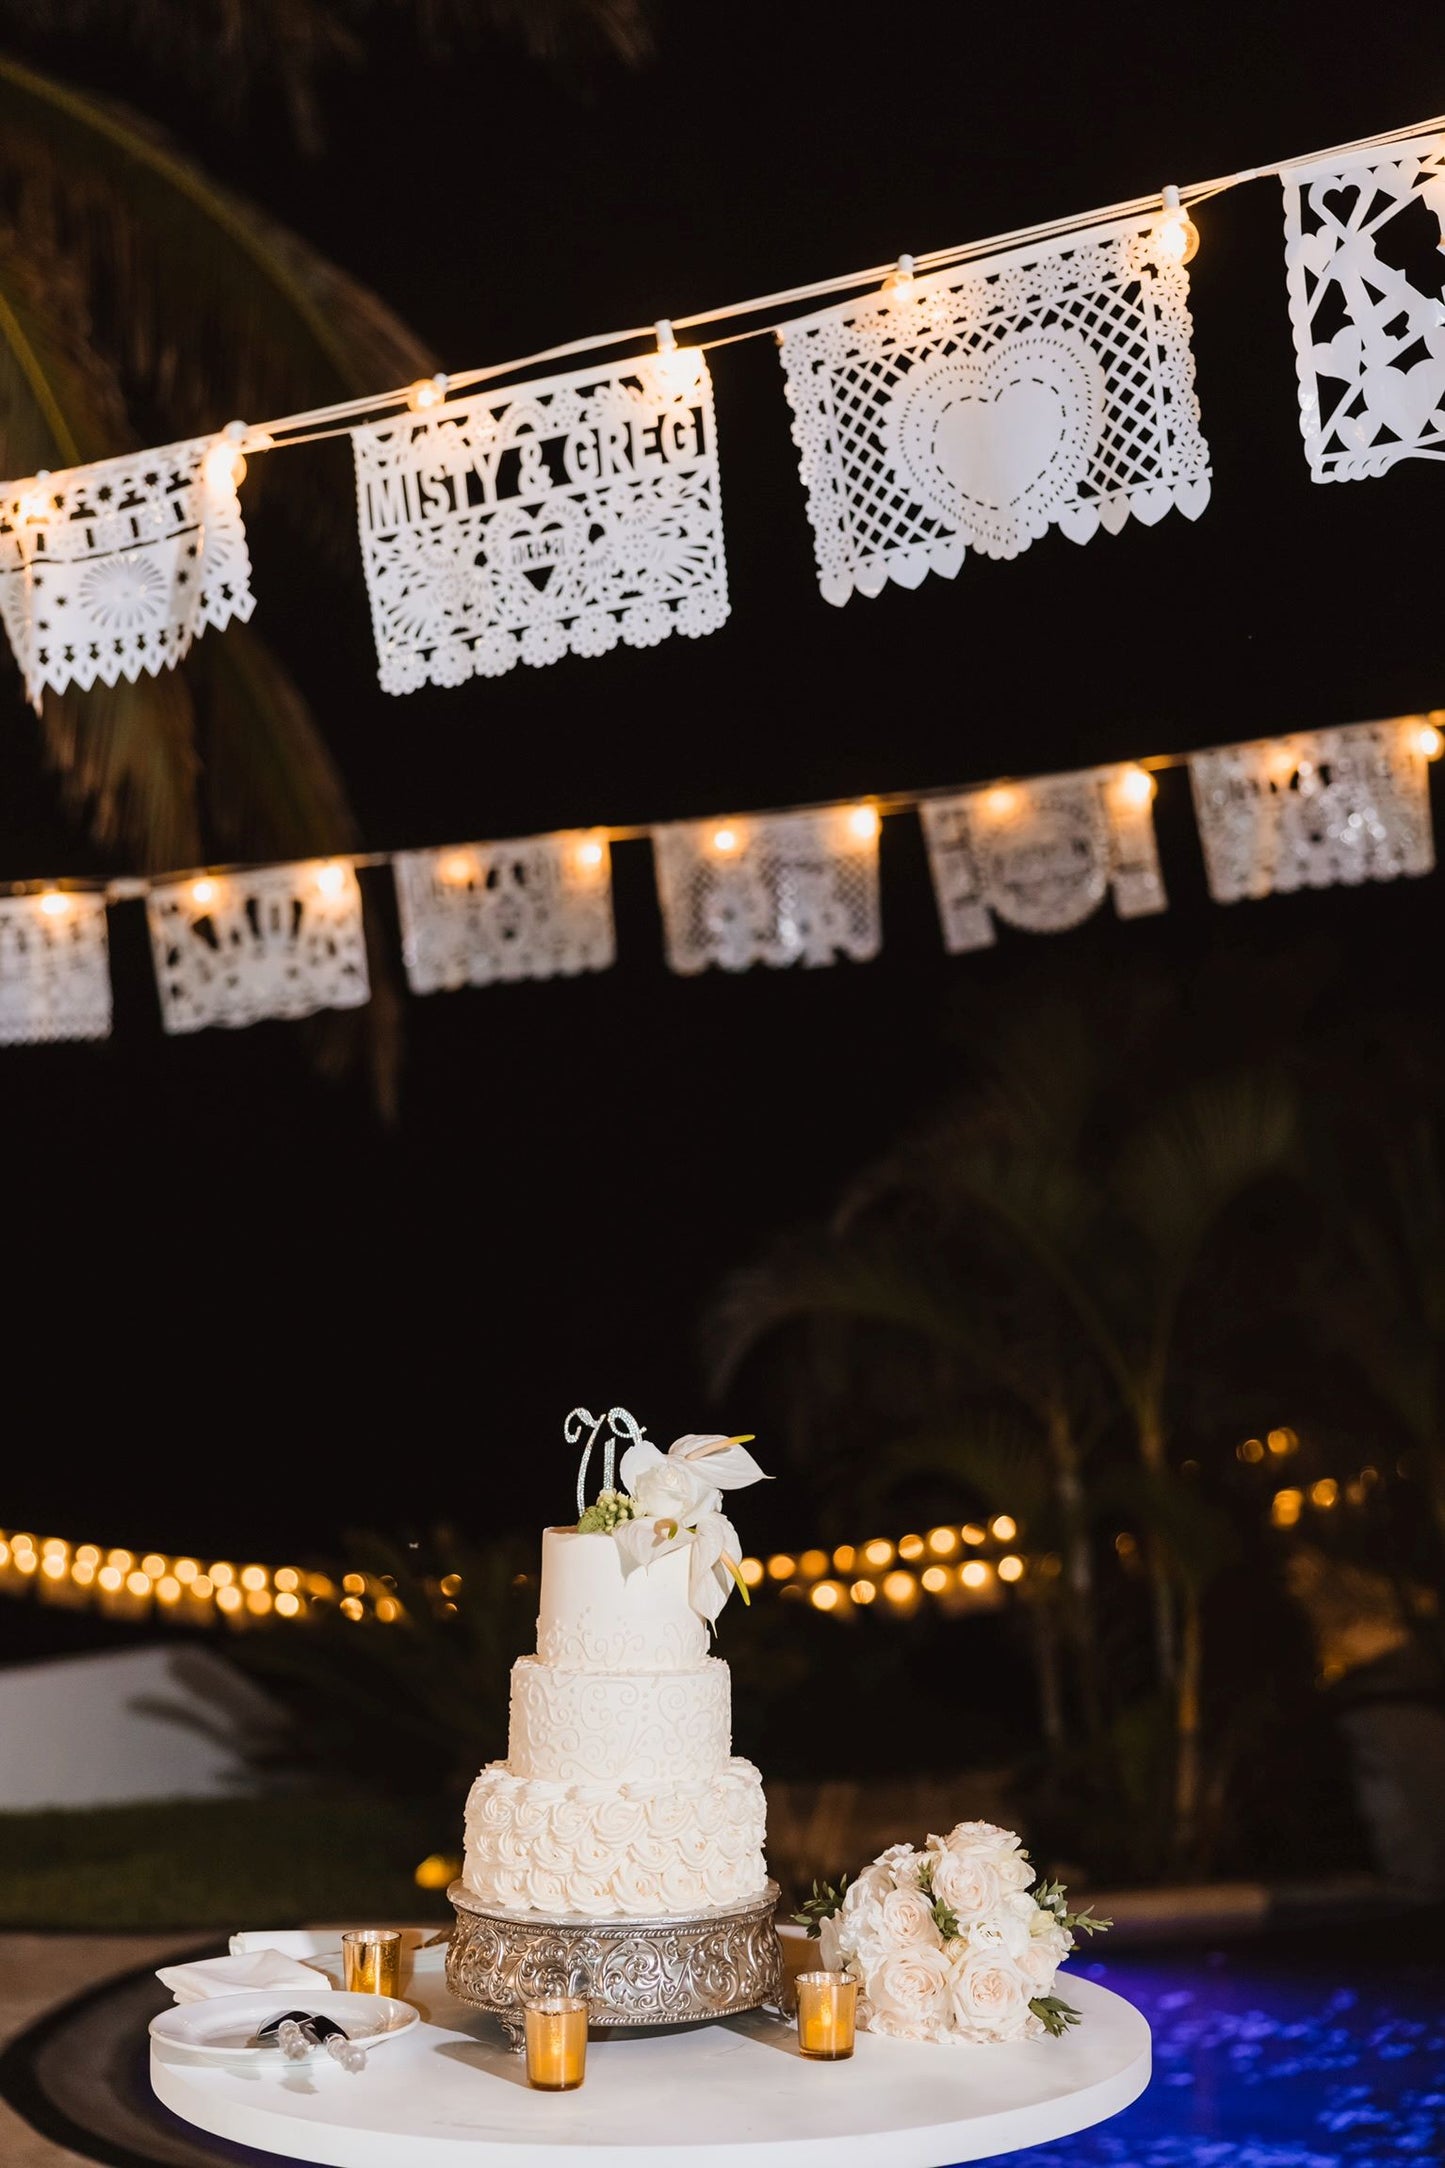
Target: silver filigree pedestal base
<point>632,1972</point>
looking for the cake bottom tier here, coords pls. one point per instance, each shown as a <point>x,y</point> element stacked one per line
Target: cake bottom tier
<point>635,1851</point>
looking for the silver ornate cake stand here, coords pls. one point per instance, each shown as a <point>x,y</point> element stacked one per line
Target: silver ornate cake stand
<point>670,1971</point>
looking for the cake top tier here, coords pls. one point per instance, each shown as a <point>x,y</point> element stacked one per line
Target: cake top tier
<point>669,1503</point>
<point>595,1617</point>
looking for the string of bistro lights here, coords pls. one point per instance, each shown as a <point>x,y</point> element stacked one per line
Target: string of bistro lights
<point>1175,238</point>
<point>961,1566</point>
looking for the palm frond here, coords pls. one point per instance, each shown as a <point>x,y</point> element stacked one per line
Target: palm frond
<point>819,1277</point>
<point>210,307</point>
<point>1181,1167</point>
<point>269,785</point>
<point>126,758</point>
<point>60,402</point>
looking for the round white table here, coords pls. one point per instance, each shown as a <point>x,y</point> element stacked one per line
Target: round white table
<point>734,2094</point>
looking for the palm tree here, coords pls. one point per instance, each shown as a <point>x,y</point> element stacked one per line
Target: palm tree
<point>1040,1241</point>
<point>143,301</point>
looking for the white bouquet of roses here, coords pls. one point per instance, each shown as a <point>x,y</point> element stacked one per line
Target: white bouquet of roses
<point>959,1941</point>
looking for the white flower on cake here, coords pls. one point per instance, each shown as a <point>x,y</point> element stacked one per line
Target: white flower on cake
<point>959,1941</point>
<point>676,1497</point>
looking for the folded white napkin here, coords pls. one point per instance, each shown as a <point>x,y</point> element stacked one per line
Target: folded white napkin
<point>209,1976</point>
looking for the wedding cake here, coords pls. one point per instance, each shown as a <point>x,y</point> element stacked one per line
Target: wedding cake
<point>620,1795</point>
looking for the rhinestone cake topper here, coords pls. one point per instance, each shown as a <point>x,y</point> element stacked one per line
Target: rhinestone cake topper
<point>620,1425</point>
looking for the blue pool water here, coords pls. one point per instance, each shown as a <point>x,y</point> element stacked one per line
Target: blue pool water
<point>1262,2060</point>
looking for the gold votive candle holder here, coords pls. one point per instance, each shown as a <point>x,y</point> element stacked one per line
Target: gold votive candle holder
<point>827,2015</point>
<point>372,1958</point>
<point>556,2029</point>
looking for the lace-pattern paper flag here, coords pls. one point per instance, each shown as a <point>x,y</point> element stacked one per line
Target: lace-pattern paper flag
<point>973,407</point>
<point>775,888</point>
<point>282,941</point>
<point>535,909</point>
<point>1042,855</point>
<point>562,515</point>
<point>54,968</point>
<point>1324,808</point>
<point>1369,340</point>
<point>110,570</point>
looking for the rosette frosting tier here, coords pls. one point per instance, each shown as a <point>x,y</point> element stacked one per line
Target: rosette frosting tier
<point>620,1796</point>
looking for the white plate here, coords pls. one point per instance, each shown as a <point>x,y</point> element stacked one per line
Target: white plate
<point>222,2028</point>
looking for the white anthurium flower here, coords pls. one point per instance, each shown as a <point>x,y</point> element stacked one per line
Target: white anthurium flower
<point>713,1570</point>
<point>678,1495</point>
<point>642,1541</point>
<point>724,1461</point>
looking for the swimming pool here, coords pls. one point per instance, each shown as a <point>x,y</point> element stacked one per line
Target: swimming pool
<point>1321,2054</point>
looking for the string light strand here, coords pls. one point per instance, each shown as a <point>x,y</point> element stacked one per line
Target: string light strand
<point>314,424</point>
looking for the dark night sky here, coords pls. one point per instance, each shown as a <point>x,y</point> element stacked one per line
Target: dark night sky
<point>239,1312</point>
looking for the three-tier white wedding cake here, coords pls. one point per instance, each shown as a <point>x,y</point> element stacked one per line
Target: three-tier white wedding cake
<point>620,1795</point>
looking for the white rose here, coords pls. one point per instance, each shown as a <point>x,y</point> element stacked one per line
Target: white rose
<point>831,1954</point>
<point>977,1837</point>
<point>908,1991</point>
<point>664,1488</point>
<point>901,1861</point>
<point>967,1883</point>
<point>991,1994</point>
<point>1015,1870</point>
<point>907,1917</point>
<point>1041,1960</point>
<point>1000,1930</point>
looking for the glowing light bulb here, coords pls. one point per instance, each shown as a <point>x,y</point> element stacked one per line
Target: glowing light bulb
<point>724,840</point>
<point>35,503</point>
<point>862,1592</point>
<point>899,282</point>
<point>935,1579</point>
<point>1010,1568</point>
<point>590,854</point>
<point>974,1574</point>
<point>203,893</point>
<point>331,880</point>
<point>224,466</point>
<point>899,1587</point>
<point>1429,743</point>
<point>751,1570</point>
<point>677,368</point>
<point>54,904</point>
<point>1004,1527</point>
<point>457,868</point>
<point>287,1605</point>
<point>1174,237</point>
<point>1135,785</point>
<point>1001,804</point>
<point>427,392</point>
<point>827,1596</point>
<point>863,823</point>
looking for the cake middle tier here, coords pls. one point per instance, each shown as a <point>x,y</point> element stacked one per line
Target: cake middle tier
<point>574,1727</point>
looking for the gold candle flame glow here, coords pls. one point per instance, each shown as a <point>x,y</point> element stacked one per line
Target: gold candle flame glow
<point>556,2030</point>
<point>373,1960</point>
<point>827,2011</point>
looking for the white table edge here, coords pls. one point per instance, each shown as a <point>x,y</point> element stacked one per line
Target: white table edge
<point>938,2145</point>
